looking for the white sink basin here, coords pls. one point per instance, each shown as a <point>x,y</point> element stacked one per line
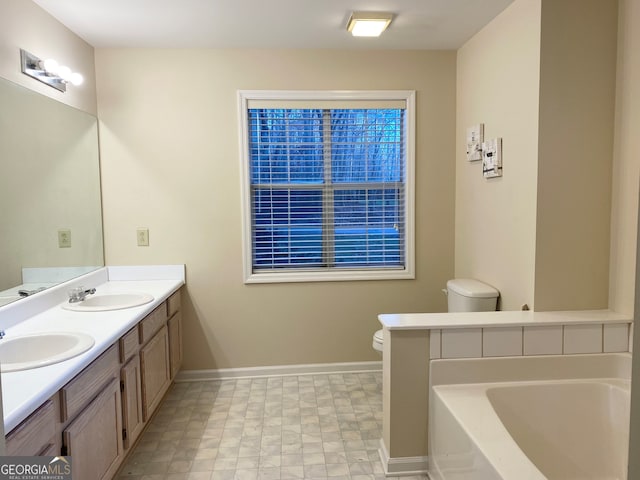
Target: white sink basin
<point>41,349</point>
<point>115,301</point>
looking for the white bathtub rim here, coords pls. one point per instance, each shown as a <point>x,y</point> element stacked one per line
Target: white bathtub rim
<point>509,461</point>
<point>529,368</point>
<point>616,382</point>
<point>488,435</point>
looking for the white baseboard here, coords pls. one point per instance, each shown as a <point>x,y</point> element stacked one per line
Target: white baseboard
<point>277,371</point>
<point>402,466</point>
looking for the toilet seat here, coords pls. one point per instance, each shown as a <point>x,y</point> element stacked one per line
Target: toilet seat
<point>377,340</point>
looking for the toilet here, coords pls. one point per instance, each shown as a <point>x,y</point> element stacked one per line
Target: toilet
<point>469,295</point>
<point>377,340</point>
<point>463,295</point>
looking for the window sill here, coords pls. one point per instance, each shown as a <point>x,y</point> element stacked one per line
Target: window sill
<point>329,276</point>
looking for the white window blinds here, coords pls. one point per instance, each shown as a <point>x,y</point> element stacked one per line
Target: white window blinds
<point>327,186</point>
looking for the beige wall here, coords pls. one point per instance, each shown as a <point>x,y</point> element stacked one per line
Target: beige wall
<point>541,76</point>
<point>405,377</point>
<point>577,98</point>
<point>626,160</point>
<point>23,24</point>
<point>170,162</point>
<point>625,272</point>
<point>568,207</point>
<point>497,84</point>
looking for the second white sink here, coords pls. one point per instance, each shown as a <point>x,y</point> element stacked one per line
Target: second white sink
<point>115,301</point>
<point>41,349</point>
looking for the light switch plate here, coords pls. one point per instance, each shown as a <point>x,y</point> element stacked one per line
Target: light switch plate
<point>64,238</point>
<point>492,158</point>
<point>143,237</point>
<point>475,137</point>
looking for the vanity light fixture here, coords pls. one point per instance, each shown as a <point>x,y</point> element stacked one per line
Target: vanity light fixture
<point>49,71</point>
<point>368,24</point>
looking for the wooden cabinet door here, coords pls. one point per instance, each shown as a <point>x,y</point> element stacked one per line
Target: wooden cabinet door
<point>154,366</point>
<point>175,343</point>
<point>131,387</point>
<point>94,438</point>
<point>35,434</point>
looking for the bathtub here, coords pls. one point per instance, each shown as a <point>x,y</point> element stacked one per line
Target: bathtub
<point>572,425</point>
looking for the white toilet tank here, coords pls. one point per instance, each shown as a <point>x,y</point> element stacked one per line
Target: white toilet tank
<point>468,295</point>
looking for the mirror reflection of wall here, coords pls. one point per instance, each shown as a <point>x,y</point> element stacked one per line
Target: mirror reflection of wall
<point>49,183</point>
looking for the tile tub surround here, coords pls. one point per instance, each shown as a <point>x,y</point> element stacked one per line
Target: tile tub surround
<point>24,391</point>
<point>308,426</point>
<point>431,336</point>
<point>529,340</point>
<point>499,334</point>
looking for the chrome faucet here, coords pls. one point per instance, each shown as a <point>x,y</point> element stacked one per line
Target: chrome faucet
<point>79,294</point>
<point>2,334</point>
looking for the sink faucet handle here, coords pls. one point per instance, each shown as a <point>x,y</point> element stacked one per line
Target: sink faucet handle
<point>78,294</point>
<point>75,294</point>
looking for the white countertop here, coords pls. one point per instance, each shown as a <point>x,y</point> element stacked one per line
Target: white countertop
<point>431,321</point>
<point>24,391</point>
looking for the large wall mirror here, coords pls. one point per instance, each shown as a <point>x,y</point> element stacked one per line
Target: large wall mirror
<point>50,209</point>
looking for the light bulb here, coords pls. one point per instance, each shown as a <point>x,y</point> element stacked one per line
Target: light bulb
<point>51,66</point>
<point>64,72</point>
<point>76,79</point>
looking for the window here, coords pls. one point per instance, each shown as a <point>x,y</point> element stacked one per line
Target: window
<point>327,185</point>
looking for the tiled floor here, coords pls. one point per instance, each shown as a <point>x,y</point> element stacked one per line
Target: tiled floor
<point>316,426</point>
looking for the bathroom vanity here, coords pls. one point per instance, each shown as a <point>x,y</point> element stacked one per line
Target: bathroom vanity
<point>94,406</point>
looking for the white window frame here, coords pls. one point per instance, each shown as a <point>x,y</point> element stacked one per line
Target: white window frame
<point>366,273</point>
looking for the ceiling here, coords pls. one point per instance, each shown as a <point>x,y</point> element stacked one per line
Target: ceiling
<point>419,24</point>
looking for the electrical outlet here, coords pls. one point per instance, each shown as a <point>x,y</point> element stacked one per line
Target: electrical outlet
<point>143,237</point>
<point>64,238</point>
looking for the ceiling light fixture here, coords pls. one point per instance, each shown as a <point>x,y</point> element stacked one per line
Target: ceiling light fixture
<point>49,71</point>
<point>368,24</point>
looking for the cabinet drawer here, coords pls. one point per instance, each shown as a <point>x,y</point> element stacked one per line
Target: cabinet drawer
<point>79,391</point>
<point>129,344</point>
<point>51,450</point>
<point>173,303</point>
<point>34,434</point>
<point>152,323</point>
